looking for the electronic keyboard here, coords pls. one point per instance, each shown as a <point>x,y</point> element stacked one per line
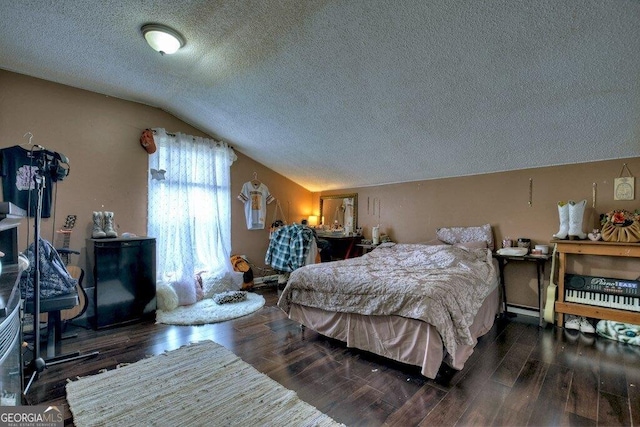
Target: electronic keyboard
<point>602,292</point>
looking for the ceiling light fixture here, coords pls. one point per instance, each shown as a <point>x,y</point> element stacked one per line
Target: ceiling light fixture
<point>162,38</point>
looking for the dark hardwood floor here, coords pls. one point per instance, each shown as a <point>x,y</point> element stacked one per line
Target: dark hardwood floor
<point>519,374</point>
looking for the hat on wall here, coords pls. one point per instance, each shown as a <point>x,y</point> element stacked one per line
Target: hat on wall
<point>147,142</point>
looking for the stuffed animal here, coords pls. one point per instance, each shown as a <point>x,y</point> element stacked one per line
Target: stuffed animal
<point>240,264</point>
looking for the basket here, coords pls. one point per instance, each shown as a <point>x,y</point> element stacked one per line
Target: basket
<point>626,232</point>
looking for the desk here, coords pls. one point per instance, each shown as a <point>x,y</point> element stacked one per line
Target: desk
<point>342,247</point>
<point>540,261</point>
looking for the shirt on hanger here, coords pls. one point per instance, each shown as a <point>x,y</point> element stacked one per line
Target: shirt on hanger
<point>255,197</point>
<point>289,248</point>
<point>18,170</point>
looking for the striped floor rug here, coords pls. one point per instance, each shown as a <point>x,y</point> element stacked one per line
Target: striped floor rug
<point>202,384</point>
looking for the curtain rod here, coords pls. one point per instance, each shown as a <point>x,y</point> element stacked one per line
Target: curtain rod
<point>193,138</point>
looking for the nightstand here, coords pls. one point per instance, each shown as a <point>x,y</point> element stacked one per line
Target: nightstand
<point>366,248</point>
<point>540,261</point>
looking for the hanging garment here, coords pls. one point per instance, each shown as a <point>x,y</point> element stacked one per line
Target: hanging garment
<point>18,170</point>
<point>289,247</point>
<point>255,197</point>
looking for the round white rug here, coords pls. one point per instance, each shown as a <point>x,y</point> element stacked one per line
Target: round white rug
<point>207,311</point>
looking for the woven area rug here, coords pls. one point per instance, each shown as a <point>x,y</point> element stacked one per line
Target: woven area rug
<point>207,311</point>
<point>201,384</point>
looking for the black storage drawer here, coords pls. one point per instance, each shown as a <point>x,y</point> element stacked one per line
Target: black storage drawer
<point>123,274</point>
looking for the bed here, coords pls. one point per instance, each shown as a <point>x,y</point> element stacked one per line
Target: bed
<point>419,304</point>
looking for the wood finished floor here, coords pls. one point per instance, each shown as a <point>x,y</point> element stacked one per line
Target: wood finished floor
<point>519,374</point>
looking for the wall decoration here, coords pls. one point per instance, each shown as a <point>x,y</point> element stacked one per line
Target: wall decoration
<point>624,187</point>
<point>255,196</point>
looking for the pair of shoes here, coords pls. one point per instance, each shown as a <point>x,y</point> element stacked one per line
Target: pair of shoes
<point>577,337</point>
<point>571,216</point>
<point>103,225</point>
<point>579,323</point>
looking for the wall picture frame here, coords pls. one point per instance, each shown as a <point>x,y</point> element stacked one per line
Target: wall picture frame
<point>624,188</point>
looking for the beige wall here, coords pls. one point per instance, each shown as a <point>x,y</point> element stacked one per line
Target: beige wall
<point>294,200</point>
<point>411,212</point>
<point>100,136</point>
<point>109,172</point>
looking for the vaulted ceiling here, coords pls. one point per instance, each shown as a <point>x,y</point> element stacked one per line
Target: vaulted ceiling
<point>344,93</point>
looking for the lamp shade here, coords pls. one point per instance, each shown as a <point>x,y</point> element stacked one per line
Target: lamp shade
<point>313,220</point>
<point>162,38</point>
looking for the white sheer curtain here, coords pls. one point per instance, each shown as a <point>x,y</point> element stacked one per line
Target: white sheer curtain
<point>189,206</point>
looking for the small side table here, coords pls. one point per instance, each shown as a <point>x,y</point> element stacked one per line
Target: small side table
<point>365,248</point>
<point>540,261</point>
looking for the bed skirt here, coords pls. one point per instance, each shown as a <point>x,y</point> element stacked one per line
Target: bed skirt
<point>405,340</point>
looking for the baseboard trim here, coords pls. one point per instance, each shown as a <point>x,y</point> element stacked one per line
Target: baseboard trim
<point>265,280</point>
<point>523,311</point>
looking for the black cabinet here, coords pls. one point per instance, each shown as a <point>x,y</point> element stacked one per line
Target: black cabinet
<point>123,274</point>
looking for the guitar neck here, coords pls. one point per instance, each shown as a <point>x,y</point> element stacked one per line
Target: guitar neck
<point>66,238</point>
<point>549,308</point>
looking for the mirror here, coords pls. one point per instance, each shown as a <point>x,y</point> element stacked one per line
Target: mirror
<point>339,212</point>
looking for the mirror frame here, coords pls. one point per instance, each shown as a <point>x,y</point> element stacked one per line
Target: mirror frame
<point>354,196</point>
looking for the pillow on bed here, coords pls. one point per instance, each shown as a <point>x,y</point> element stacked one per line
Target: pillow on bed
<point>472,245</point>
<point>433,242</point>
<point>453,235</point>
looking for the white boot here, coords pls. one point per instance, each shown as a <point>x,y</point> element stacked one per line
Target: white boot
<point>97,232</point>
<point>563,212</point>
<point>108,225</point>
<point>576,214</point>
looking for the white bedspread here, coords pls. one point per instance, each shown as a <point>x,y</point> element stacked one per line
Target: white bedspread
<point>442,285</point>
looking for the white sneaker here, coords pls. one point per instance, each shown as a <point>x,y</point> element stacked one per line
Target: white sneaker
<point>586,327</point>
<point>572,322</point>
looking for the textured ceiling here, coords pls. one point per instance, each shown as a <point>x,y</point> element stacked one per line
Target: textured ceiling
<point>337,94</point>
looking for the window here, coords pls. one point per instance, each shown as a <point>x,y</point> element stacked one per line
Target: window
<point>189,205</point>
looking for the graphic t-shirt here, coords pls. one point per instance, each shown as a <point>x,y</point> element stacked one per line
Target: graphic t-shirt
<point>18,170</point>
<point>255,198</point>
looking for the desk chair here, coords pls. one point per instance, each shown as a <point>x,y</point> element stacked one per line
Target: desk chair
<point>54,307</point>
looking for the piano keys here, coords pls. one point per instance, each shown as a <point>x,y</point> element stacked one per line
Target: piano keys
<point>603,292</point>
<point>619,302</point>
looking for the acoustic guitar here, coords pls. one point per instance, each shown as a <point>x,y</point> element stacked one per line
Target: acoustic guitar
<point>66,229</point>
<point>549,308</point>
<point>75,271</point>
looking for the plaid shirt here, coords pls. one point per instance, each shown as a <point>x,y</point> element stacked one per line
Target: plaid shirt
<point>289,247</point>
